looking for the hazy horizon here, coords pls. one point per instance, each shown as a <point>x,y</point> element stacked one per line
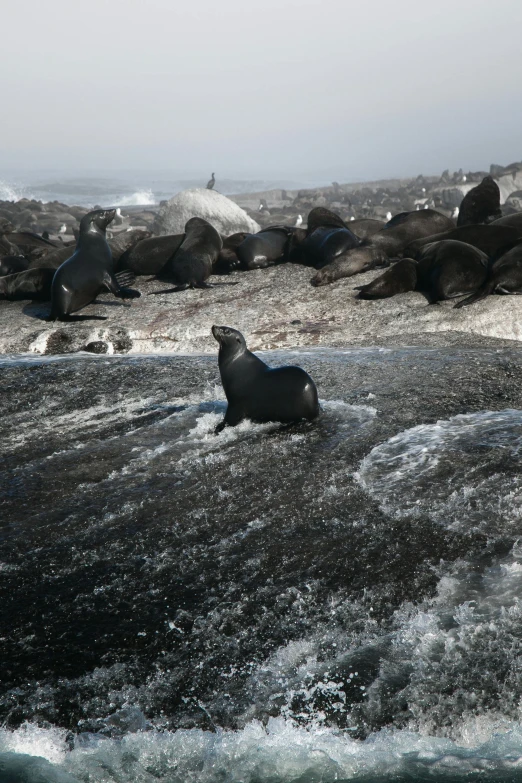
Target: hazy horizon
<point>282,90</point>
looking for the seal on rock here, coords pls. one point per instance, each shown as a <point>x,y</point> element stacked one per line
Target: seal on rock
<point>492,239</point>
<point>257,392</point>
<point>192,264</point>
<point>480,204</point>
<point>32,284</point>
<point>398,279</point>
<point>265,248</point>
<point>82,277</point>
<point>384,245</point>
<point>150,254</point>
<point>449,269</point>
<point>227,260</point>
<point>505,277</point>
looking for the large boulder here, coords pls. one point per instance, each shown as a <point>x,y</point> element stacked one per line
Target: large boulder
<point>219,210</point>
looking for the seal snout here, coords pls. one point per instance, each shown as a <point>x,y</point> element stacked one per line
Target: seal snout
<point>218,332</point>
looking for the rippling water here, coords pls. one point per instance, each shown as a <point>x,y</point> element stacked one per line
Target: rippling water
<point>330,601</point>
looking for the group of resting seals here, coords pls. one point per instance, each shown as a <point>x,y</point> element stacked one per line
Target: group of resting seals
<point>424,250</point>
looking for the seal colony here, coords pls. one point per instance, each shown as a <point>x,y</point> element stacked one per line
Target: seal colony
<point>421,250</point>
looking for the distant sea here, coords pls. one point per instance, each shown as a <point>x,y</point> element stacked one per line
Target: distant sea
<point>124,189</point>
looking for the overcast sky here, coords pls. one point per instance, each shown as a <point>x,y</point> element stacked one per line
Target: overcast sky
<point>331,89</point>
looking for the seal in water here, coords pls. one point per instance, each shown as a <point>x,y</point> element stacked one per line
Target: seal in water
<point>79,280</point>
<point>192,265</point>
<point>265,248</point>
<point>449,269</point>
<point>399,279</point>
<point>257,392</point>
<point>384,245</point>
<point>480,204</point>
<point>505,277</point>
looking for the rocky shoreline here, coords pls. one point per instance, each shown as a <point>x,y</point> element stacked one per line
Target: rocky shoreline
<point>274,308</point>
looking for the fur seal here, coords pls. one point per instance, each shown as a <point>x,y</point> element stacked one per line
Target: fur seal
<point>265,248</point>
<point>82,277</point>
<point>323,245</point>
<point>449,269</point>
<point>227,260</point>
<point>514,221</point>
<point>257,392</point>
<point>505,277</point>
<point>192,265</point>
<point>10,265</point>
<point>319,217</point>
<point>398,279</point>
<point>365,228</point>
<point>492,239</point>
<point>149,255</point>
<point>30,284</point>
<point>385,244</point>
<point>481,204</point>
<point>118,246</point>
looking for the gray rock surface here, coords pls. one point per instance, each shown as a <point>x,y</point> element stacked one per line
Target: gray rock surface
<point>274,308</point>
<point>226,216</point>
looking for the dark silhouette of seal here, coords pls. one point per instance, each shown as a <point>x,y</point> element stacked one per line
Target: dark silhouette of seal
<point>265,248</point>
<point>211,182</point>
<point>257,392</point>
<point>514,221</point>
<point>192,264</point>
<point>32,284</point>
<point>82,277</point>
<point>493,239</point>
<point>384,245</point>
<point>398,279</point>
<point>505,277</point>
<point>481,204</point>
<point>449,269</point>
<point>150,254</point>
<point>323,245</point>
<point>10,265</point>
<point>227,260</point>
<point>320,217</point>
<point>365,228</point>
<point>118,246</point>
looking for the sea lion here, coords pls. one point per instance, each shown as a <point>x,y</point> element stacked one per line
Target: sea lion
<point>265,248</point>
<point>481,204</point>
<point>150,254</point>
<point>10,265</point>
<point>398,279</point>
<point>384,245</point>
<point>257,392</point>
<point>505,277</point>
<point>82,277</point>
<point>227,260</point>
<point>449,269</point>
<point>492,239</point>
<point>192,265</point>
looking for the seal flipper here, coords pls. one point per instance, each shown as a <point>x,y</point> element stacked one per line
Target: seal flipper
<point>119,291</point>
<point>232,418</point>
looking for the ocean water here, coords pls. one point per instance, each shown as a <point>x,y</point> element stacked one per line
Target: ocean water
<point>123,189</point>
<point>332,601</point>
